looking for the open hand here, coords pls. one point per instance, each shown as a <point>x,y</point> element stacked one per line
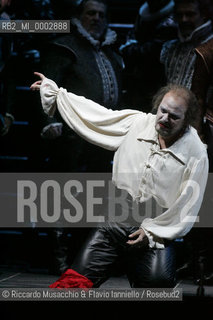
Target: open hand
<point>137,238</point>
<point>36,85</point>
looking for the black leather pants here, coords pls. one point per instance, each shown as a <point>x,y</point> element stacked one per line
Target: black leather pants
<point>145,267</point>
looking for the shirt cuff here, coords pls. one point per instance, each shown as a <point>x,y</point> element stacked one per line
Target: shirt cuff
<point>48,93</point>
<point>154,241</point>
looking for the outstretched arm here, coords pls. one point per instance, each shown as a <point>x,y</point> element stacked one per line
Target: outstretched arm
<point>93,122</point>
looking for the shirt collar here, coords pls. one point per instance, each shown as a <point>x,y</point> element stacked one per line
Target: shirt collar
<point>149,134</point>
<point>109,38</point>
<point>178,150</point>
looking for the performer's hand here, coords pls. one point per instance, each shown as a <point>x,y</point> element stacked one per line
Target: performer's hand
<point>36,85</point>
<point>139,235</point>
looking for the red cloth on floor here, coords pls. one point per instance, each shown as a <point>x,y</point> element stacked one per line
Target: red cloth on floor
<point>72,279</point>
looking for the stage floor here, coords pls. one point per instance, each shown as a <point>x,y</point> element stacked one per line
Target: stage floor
<point>39,278</point>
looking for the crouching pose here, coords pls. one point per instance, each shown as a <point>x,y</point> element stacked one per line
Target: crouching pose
<point>156,156</point>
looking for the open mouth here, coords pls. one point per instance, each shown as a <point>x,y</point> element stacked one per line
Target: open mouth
<point>163,125</point>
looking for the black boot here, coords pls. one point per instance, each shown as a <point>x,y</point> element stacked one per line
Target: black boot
<point>59,251</point>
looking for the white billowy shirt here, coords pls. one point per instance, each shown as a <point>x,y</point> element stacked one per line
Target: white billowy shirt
<point>175,177</point>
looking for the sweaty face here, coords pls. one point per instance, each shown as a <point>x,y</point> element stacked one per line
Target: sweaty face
<point>188,17</point>
<point>170,119</point>
<point>93,19</point>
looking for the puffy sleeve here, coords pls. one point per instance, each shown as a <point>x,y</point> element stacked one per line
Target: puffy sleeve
<point>93,122</point>
<point>177,220</point>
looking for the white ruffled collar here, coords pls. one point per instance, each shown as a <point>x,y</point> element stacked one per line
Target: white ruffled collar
<point>110,36</point>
